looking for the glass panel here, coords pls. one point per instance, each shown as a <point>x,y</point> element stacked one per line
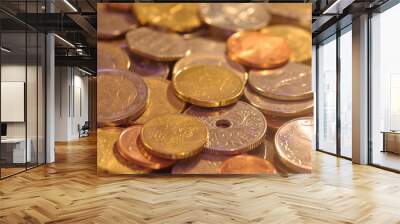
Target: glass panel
<point>385,84</point>
<point>41,98</point>
<point>327,96</point>
<point>346,93</point>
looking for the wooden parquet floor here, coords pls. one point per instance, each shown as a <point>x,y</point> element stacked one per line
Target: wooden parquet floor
<point>70,191</point>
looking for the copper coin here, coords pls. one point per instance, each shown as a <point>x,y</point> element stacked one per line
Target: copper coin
<point>204,45</point>
<point>247,164</point>
<point>258,50</point>
<point>130,146</point>
<point>148,68</point>
<point>293,143</point>
<point>108,159</point>
<point>206,59</point>
<point>290,82</point>
<point>260,151</point>
<point>275,122</point>
<point>156,45</point>
<point>126,7</point>
<point>121,96</point>
<point>234,17</point>
<point>204,163</point>
<point>232,130</point>
<point>111,56</point>
<point>112,24</point>
<point>277,107</point>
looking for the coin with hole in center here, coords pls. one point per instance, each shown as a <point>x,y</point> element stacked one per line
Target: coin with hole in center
<point>232,130</point>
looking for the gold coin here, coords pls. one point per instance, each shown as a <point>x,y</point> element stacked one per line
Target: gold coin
<point>174,136</point>
<point>177,17</point>
<point>110,56</point>
<point>108,161</point>
<point>208,85</point>
<point>298,39</point>
<point>162,100</point>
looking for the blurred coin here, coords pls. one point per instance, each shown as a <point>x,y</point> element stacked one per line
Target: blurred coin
<point>156,45</point>
<point>293,143</point>
<point>298,39</point>
<point>148,68</point>
<point>299,12</point>
<point>112,24</point>
<point>275,122</point>
<point>121,96</point>
<point>258,50</point>
<point>131,148</point>
<point>204,163</point>
<point>289,82</point>
<point>247,164</point>
<point>232,130</point>
<point>119,6</point>
<point>207,59</point>
<point>277,107</point>
<point>174,136</point>
<point>110,56</point>
<point>208,85</point>
<point>204,45</point>
<point>234,17</point>
<point>107,159</point>
<point>261,150</point>
<point>161,100</point>
<point>176,17</point>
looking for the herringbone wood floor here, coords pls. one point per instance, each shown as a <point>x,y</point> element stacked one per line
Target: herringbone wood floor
<point>70,191</point>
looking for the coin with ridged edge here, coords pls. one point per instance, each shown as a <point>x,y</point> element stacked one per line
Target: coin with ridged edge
<point>108,160</point>
<point>131,148</point>
<point>121,97</point>
<point>208,85</point>
<point>112,57</point>
<point>247,164</point>
<point>174,136</point>
<point>293,142</point>
<point>155,44</point>
<point>289,82</point>
<point>232,130</point>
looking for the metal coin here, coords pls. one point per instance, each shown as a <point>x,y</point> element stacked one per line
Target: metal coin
<point>235,17</point>
<point>110,56</point>
<point>203,45</point>
<point>161,100</point>
<point>204,163</point>
<point>293,143</point>
<point>130,147</point>
<point>112,24</point>
<point>261,150</point>
<point>121,97</point>
<point>125,7</point>
<point>247,164</point>
<point>258,50</point>
<point>207,59</point>
<point>298,39</point>
<point>277,107</point>
<point>107,160</point>
<point>148,68</point>
<point>232,130</point>
<point>299,12</point>
<point>174,136</point>
<point>290,82</point>
<point>156,45</point>
<point>208,85</point>
<point>275,122</point>
<point>176,17</point>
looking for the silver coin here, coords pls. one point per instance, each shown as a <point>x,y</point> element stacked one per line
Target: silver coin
<point>232,130</point>
<point>155,44</point>
<point>278,107</point>
<point>148,68</point>
<point>204,45</point>
<point>204,59</point>
<point>290,82</point>
<point>235,17</point>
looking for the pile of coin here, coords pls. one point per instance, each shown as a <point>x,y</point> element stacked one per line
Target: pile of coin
<point>189,88</point>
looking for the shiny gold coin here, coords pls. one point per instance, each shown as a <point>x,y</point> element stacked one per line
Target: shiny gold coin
<point>112,24</point>
<point>107,159</point>
<point>208,85</point>
<point>111,56</point>
<point>277,107</point>
<point>204,163</point>
<point>174,136</point>
<point>177,17</point>
<point>247,164</point>
<point>293,143</point>
<point>162,100</point>
<point>299,40</point>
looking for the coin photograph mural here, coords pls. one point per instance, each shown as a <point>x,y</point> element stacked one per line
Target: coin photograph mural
<point>204,88</point>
